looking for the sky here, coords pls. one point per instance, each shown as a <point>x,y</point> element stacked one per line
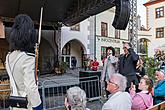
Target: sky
<point>141,10</point>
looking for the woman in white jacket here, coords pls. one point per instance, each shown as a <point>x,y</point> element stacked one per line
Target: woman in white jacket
<point>109,66</point>
<point>21,60</point>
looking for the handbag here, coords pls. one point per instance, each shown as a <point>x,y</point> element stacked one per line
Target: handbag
<point>15,100</point>
<point>18,101</point>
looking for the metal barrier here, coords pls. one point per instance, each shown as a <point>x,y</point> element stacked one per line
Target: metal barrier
<point>53,91</point>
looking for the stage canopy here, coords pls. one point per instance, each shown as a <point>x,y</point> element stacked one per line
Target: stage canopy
<point>67,12</point>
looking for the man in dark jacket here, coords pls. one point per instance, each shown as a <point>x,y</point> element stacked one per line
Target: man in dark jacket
<point>127,64</point>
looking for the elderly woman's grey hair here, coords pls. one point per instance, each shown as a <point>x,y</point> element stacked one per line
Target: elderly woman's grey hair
<point>76,98</point>
<point>120,80</point>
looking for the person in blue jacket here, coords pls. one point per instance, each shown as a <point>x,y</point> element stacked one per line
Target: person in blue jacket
<point>159,89</point>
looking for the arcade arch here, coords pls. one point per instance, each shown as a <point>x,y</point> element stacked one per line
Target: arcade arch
<point>73,48</point>
<point>47,57</point>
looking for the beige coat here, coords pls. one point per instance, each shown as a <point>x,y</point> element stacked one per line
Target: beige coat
<point>24,76</point>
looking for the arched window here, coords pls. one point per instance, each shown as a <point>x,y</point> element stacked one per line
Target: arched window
<point>143,46</point>
<point>66,49</point>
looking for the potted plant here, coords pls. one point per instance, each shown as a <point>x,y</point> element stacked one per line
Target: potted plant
<point>63,67</point>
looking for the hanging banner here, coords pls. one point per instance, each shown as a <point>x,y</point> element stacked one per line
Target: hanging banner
<point>110,40</point>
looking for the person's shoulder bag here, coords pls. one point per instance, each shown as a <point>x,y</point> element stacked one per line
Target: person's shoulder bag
<point>15,100</point>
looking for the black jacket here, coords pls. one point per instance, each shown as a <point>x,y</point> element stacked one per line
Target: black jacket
<point>127,65</point>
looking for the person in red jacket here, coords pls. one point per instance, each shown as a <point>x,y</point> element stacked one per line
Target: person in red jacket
<point>95,65</point>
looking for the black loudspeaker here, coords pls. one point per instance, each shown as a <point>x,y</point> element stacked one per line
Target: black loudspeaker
<point>122,14</point>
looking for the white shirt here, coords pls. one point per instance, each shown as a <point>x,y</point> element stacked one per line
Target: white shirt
<point>118,101</point>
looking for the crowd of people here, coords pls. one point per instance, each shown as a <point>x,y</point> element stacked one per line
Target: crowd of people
<point>127,86</point>
<point>90,65</point>
<point>142,92</point>
<point>119,98</point>
<point>160,57</point>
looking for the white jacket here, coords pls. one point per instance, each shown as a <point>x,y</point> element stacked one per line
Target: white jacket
<point>108,68</point>
<point>118,101</point>
<point>24,76</point>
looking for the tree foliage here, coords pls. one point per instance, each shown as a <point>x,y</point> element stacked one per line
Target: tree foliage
<point>151,65</point>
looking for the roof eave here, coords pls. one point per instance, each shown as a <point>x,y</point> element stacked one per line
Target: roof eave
<point>152,2</point>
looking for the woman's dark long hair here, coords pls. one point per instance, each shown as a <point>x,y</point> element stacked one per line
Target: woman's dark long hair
<point>110,48</point>
<point>23,35</point>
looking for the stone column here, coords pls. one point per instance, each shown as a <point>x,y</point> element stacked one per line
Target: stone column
<point>58,41</point>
